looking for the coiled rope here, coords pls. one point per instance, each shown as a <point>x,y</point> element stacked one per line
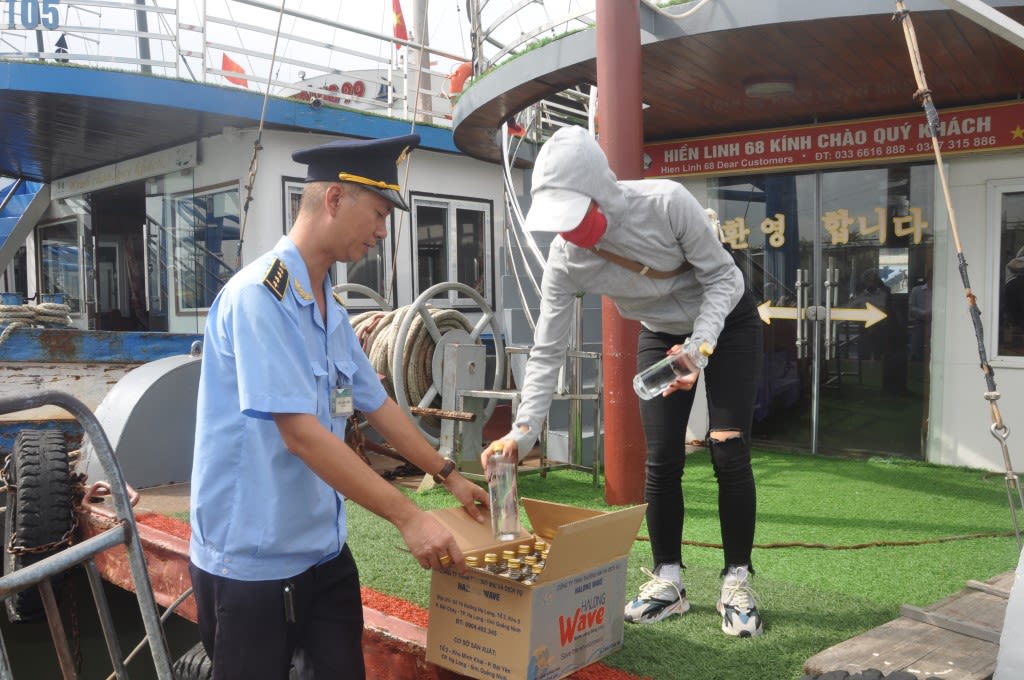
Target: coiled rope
<point>45,314</point>
<point>378,331</point>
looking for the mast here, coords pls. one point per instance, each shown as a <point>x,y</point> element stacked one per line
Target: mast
<point>619,105</point>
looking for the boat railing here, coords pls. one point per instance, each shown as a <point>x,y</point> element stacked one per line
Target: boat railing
<point>503,31</point>
<point>123,532</point>
<point>293,54</point>
<point>518,20</point>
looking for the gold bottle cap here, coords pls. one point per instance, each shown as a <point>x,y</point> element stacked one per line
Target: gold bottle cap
<point>472,561</point>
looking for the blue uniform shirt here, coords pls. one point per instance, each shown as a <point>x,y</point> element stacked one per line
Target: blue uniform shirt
<point>258,512</point>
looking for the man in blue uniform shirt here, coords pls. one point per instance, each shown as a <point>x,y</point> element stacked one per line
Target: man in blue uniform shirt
<point>281,372</point>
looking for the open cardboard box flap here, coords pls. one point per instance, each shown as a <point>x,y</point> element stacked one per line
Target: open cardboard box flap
<point>471,535</point>
<point>580,538</point>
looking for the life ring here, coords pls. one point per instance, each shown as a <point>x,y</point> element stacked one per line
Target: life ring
<point>40,512</point>
<point>359,88</point>
<point>457,80</point>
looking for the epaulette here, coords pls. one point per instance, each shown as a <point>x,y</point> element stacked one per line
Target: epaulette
<point>337,298</point>
<point>276,279</point>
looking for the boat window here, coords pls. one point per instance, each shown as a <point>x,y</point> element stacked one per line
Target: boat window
<point>1009,209</point>
<point>369,271</point>
<point>59,267</point>
<point>205,237</point>
<point>453,244</point>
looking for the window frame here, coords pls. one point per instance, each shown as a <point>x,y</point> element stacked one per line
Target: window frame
<point>80,264</point>
<point>452,205</point>
<point>176,250</point>
<point>996,190</point>
<point>291,190</point>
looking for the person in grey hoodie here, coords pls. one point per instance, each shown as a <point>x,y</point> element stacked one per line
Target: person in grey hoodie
<point>648,246</point>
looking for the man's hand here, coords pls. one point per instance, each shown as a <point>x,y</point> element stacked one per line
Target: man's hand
<point>431,544</point>
<point>471,495</point>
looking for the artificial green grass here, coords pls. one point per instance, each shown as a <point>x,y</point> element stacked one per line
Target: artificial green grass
<point>812,598</point>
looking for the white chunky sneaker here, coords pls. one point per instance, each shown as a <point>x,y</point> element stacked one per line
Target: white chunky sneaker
<point>658,600</point>
<point>738,605</point>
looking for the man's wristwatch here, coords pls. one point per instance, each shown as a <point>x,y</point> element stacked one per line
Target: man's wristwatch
<point>449,467</point>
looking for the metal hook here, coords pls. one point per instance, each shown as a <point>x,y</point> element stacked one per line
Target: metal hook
<point>1000,431</point>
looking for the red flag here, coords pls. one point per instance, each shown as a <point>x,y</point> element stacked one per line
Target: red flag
<point>399,21</point>
<point>228,64</point>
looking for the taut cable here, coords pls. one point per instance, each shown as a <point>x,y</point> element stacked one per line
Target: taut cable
<point>999,429</point>
<point>257,145</point>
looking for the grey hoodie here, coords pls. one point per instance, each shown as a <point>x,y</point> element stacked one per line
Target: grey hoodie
<point>655,222</point>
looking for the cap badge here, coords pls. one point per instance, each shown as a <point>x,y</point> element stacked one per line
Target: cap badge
<point>402,156</point>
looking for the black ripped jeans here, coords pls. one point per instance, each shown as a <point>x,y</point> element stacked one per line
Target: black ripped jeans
<point>731,381</point>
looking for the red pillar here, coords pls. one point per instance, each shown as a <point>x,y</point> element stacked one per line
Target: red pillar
<point>620,130</point>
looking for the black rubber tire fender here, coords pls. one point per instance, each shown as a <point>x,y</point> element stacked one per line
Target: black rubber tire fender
<point>193,665</point>
<point>39,511</point>
<point>196,665</point>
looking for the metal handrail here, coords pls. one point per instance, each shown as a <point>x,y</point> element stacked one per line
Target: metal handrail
<point>489,35</point>
<point>123,532</point>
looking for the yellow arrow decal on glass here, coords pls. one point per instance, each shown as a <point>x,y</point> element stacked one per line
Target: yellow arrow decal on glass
<point>768,312</point>
<point>869,315</point>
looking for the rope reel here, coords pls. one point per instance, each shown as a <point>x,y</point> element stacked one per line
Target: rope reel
<point>406,347</point>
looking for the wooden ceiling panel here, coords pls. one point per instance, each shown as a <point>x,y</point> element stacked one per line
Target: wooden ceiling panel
<point>843,68</point>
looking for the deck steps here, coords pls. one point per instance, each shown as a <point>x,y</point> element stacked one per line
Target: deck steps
<point>955,639</point>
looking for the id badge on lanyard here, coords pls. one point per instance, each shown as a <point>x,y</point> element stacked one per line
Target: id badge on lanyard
<point>341,399</point>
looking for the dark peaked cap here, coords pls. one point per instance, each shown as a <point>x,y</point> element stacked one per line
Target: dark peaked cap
<point>371,163</point>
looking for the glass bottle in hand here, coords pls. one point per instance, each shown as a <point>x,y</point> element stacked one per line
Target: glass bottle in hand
<point>655,379</point>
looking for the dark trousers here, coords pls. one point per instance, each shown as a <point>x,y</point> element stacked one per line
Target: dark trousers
<point>246,631</point>
<point>731,380</point>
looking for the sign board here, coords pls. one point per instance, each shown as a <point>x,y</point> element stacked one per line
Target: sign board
<point>143,167</point>
<point>996,127</point>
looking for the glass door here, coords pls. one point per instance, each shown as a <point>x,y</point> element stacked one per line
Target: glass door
<point>65,262</point>
<point>836,259</point>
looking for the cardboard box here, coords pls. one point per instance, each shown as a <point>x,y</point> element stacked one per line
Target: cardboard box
<point>489,627</point>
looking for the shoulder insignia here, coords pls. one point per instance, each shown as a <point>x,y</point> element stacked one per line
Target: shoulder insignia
<point>276,279</point>
<point>337,298</point>
<point>301,291</point>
